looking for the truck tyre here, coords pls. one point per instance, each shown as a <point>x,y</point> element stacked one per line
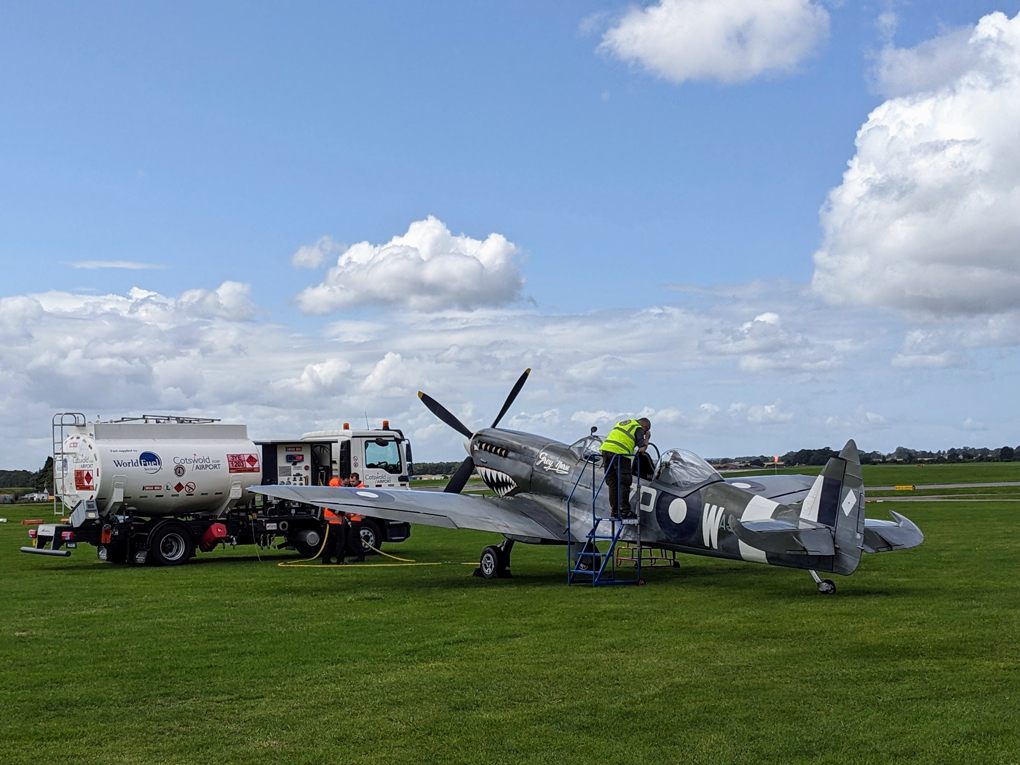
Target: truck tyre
<point>308,545</point>
<point>171,545</point>
<point>371,536</point>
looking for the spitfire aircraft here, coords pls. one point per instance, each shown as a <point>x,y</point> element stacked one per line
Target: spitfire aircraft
<point>815,523</point>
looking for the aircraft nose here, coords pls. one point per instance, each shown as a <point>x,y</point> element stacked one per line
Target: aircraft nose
<point>467,445</point>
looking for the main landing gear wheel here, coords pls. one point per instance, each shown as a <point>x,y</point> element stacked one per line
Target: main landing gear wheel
<point>489,563</point>
<point>589,558</point>
<point>495,561</point>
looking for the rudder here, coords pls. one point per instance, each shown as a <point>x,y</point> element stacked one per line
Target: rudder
<point>836,499</point>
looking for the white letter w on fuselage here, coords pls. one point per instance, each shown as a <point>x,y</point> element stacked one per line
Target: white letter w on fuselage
<point>710,517</point>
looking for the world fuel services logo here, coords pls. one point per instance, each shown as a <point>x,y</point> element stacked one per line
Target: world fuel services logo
<point>150,462</point>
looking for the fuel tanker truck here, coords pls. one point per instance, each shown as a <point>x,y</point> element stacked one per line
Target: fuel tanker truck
<point>154,489</point>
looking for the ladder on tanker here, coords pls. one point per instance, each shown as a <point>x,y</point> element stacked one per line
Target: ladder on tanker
<point>58,432</point>
<point>596,561</point>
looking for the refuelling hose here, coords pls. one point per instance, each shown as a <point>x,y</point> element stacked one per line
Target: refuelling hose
<point>322,547</point>
<point>403,562</point>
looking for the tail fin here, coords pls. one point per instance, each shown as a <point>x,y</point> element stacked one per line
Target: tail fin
<point>836,500</point>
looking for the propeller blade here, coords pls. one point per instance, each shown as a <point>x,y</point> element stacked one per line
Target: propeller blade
<point>460,478</point>
<point>513,394</point>
<point>444,414</point>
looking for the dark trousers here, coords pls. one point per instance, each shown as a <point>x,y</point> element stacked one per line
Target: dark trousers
<point>354,545</point>
<point>618,482</point>
<point>334,547</point>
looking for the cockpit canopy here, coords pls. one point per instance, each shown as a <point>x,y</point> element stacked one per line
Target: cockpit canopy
<point>586,447</point>
<point>684,469</point>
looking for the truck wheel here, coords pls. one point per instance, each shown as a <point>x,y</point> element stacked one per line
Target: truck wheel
<point>371,536</point>
<point>171,545</point>
<point>308,542</point>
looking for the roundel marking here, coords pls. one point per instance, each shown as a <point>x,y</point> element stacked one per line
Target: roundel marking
<point>368,494</point>
<point>741,485</point>
<point>677,510</point>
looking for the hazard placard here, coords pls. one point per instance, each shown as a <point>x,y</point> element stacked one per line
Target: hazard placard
<point>83,480</point>
<point>243,463</point>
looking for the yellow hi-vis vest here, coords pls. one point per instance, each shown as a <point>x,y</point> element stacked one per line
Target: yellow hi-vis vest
<point>621,438</point>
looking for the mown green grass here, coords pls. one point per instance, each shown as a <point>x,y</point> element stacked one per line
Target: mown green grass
<point>894,475</point>
<point>232,659</point>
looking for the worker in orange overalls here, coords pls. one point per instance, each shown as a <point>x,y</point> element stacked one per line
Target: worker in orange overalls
<point>354,544</point>
<point>337,531</point>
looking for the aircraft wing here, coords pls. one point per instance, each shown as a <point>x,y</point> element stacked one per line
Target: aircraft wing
<point>517,517</point>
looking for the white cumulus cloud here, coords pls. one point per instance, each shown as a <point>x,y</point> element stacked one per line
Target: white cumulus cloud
<point>425,269</point>
<point>314,255</point>
<point>724,40</point>
<point>927,218</point>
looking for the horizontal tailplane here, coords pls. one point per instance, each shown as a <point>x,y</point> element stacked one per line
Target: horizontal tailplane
<point>886,536</point>
<point>786,536</point>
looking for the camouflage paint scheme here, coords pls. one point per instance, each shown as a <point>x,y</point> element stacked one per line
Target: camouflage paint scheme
<point>806,522</point>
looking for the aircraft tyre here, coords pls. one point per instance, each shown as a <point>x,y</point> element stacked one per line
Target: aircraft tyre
<point>588,562</point>
<point>171,545</point>
<point>827,587</point>
<point>490,565</point>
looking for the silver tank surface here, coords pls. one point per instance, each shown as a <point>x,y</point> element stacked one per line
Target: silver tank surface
<point>160,469</point>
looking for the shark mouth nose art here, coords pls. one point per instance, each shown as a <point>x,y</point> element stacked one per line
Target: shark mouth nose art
<point>497,480</point>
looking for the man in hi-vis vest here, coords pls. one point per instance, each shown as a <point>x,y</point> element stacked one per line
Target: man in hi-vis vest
<point>627,438</point>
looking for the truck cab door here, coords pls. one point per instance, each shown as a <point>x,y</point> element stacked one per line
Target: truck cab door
<point>344,461</point>
<point>322,464</point>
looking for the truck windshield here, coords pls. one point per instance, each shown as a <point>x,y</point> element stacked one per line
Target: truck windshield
<point>382,455</point>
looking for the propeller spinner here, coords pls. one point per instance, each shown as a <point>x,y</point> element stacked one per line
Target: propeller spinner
<point>467,467</point>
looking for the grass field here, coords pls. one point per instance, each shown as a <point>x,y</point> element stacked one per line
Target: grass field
<point>233,659</point>
<point>892,475</point>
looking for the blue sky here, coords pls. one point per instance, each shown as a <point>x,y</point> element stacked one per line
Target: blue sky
<point>659,206</point>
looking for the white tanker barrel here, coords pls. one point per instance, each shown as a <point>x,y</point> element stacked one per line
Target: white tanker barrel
<point>160,469</point>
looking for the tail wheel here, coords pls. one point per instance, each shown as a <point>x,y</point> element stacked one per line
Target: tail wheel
<point>827,587</point>
<point>171,545</point>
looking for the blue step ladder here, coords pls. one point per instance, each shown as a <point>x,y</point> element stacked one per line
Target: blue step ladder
<point>595,563</point>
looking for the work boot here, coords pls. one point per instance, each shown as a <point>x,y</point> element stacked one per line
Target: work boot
<point>359,559</point>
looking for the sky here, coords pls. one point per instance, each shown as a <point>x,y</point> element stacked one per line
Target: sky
<point>765,224</point>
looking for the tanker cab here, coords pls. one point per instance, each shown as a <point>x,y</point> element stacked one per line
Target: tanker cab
<point>382,460</point>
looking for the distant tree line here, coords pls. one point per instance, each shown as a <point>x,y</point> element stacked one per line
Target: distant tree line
<point>899,455</point>
<point>436,468</point>
<point>40,480</point>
